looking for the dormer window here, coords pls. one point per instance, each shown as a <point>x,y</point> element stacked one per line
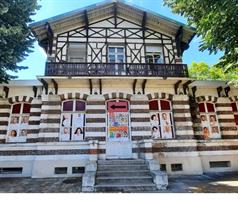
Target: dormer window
<point>77,52</point>
<point>154,55</point>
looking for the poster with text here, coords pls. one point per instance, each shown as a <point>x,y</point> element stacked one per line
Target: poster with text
<point>118,126</point>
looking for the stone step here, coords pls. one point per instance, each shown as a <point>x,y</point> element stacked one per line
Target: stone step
<point>124,173</point>
<point>122,167</point>
<point>120,162</point>
<point>126,188</point>
<point>124,180</point>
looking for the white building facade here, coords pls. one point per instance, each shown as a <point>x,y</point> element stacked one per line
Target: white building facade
<point>115,87</point>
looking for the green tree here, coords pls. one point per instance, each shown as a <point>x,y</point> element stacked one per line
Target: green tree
<point>216,21</point>
<point>16,40</point>
<point>202,71</point>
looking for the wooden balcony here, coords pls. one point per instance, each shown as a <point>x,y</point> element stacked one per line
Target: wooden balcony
<point>114,69</point>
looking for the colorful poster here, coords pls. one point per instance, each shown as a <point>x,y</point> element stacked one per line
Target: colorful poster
<point>118,126</point>
<point>166,126</point>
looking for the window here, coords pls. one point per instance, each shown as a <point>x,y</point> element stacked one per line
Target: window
<point>116,55</point>
<point>209,120</point>
<point>77,52</point>
<point>61,170</point>
<point>176,167</point>
<point>78,170</point>
<point>72,120</point>
<point>154,54</point>
<point>161,119</point>
<point>11,170</point>
<point>162,167</point>
<point>18,125</point>
<point>235,110</point>
<point>218,164</point>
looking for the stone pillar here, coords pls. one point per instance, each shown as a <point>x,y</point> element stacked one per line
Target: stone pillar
<point>50,119</point>
<point>34,121</point>
<point>226,118</point>
<point>93,148</point>
<point>88,180</point>
<point>140,118</point>
<point>95,118</point>
<point>5,110</point>
<point>182,117</point>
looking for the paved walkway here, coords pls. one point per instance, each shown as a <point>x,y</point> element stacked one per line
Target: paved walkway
<point>207,183</point>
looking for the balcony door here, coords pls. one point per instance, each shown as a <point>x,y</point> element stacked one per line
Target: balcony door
<point>116,54</point>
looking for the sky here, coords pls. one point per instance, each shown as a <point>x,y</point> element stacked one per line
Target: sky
<point>49,8</point>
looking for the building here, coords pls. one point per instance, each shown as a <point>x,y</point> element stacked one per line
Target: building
<point>115,86</point>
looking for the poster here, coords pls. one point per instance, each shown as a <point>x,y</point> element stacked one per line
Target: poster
<point>78,126</point>
<point>65,127</point>
<point>118,126</point>
<point>214,127</point>
<point>155,128</point>
<point>205,127</point>
<point>65,133</point>
<point>166,126</point>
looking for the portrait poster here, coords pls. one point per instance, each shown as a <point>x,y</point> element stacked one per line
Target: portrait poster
<point>215,133</point>
<point>118,126</point>
<point>66,120</point>
<point>24,122</point>
<point>14,122</point>
<point>205,126</point>
<point>155,128</point>
<point>166,125</point>
<point>65,133</point>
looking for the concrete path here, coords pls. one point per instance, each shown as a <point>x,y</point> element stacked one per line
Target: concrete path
<point>207,183</point>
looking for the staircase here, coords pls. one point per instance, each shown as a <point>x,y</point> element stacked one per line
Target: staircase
<point>123,176</point>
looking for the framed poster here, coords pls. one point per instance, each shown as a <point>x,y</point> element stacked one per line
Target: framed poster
<point>155,125</point>
<point>118,126</point>
<point>166,125</point>
<point>78,126</point>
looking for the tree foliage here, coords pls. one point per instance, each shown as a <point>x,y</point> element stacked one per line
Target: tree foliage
<point>16,40</point>
<point>216,21</point>
<point>202,71</point>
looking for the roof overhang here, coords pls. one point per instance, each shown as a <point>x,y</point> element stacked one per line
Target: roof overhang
<point>106,9</point>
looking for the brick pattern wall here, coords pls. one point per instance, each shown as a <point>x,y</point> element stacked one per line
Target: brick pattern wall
<point>140,117</point>
<point>226,119</point>
<point>5,109</point>
<point>95,118</point>
<point>182,117</point>
<point>34,121</point>
<point>50,119</point>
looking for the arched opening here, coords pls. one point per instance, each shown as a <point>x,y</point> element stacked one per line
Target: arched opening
<point>72,120</point>
<point>118,129</point>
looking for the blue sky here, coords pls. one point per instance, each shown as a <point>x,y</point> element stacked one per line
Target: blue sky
<point>49,8</point>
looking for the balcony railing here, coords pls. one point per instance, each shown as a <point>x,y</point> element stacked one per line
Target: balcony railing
<point>114,69</point>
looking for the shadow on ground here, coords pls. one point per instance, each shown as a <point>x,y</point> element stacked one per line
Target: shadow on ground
<point>206,183</point>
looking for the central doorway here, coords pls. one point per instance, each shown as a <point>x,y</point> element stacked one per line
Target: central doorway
<point>118,144</point>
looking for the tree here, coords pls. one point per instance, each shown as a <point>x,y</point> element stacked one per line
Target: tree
<point>216,21</point>
<point>202,71</point>
<point>16,40</point>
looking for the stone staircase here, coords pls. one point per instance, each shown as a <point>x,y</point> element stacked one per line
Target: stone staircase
<point>123,176</point>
